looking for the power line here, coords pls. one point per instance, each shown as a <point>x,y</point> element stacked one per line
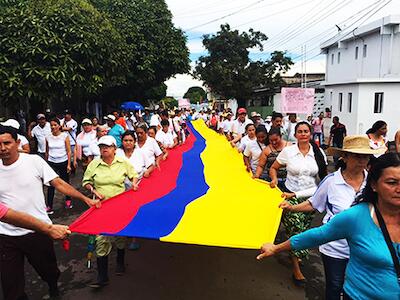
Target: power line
<point>371,11</point>
<point>228,15</point>
<point>309,24</point>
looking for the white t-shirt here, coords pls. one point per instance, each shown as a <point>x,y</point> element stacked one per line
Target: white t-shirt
<point>333,196</point>
<point>253,151</point>
<point>244,141</point>
<point>138,160</point>
<point>176,124</point>
<point>155,120</point>
<point>302,171</point>
<point>23,141</point>
<point>166,138</point>
<point>57,147</point>
<point>40,134</point>
<point>94,149</point>
<point>227,126</point>
<point>25,194</point>
<point>150,149</point>
<point>72,134</point>
<point>290,129</point>
<point>239,127</point>
<point>85,139</point>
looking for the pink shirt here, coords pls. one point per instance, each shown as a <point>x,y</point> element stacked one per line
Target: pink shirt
<point>3,210</point>
<point>317,125</point>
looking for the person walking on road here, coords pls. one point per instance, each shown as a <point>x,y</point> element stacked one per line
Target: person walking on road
<point>21,188</point>
<point>372,231</point>
<point>105,178</point>
<point>39,132</point>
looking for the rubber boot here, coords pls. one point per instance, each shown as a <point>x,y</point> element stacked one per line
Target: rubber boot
<point>120,270</point>
<point>102,273</point>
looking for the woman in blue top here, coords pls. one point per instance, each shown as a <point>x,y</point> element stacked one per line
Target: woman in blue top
<point>336,193</point>
<point>371,271</point>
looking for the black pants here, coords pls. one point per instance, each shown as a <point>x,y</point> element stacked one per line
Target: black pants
<point>335,269</point>
<point>61,170</point>
<point>39,250</point>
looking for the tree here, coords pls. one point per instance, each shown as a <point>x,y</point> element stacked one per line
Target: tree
<point>228,70</point>
<point>52,50</point>
<point>195,94</point>
<point>169,102</point>
<point>156,50</point>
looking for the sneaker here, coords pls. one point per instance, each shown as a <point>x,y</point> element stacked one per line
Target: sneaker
<point>68,204</point>
<point>49,210</point>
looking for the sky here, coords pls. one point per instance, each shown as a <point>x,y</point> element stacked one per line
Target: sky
<point>291,25</point>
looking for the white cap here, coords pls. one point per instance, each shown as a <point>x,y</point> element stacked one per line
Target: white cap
<point>107,140</point>
<point>110,117</point>
<point>12,123</point>
<point>253,114</point>
<point>269,118</point>
<point>87,121</point>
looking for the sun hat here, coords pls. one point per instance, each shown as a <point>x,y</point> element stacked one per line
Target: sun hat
<point>86,121</point>
<point>358,144</point>
<point>110,117</point>
<point>107,140</point>
<point>12,123</point>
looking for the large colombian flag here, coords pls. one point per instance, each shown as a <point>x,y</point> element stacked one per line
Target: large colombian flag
<point>202,195</point>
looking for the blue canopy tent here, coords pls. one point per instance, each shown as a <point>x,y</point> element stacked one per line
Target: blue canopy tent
<point>129,105</point>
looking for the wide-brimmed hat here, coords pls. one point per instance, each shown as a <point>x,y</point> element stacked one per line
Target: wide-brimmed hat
<point>358,144</point>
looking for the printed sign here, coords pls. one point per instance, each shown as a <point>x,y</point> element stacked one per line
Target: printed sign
<point>297,100</point>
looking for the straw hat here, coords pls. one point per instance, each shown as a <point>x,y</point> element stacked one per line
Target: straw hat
<point>358,144</point>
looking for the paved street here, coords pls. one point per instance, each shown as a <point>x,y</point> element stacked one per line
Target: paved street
<point>164,271</point>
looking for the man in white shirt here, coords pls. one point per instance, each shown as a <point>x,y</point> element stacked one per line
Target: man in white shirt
<point>239,126</point>
<point>39,132</point>
<point>27,174</point>
<point>155,120</point>
<point>23,144</point>
<point>290,128</point>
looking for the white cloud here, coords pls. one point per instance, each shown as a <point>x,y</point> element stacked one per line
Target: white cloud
<point>178,85</point>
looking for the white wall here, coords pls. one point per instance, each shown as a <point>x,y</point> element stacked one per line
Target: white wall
<point>382,60</point>
<point>362,116</point>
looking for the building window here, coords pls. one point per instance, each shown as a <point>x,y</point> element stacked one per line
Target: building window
<point>340,104</point>
<point>356,53</point>
<point>350,101</point>
<point>338,58</point>
<point>365,51</point>
<point>332,58</point>
<point>378,104</point>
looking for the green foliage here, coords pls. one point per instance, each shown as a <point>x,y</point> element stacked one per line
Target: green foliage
<point>169,102</point>
<point>57,49</point>
<point>195,94</point>
<point>229,72</point>
<point>156,50</point>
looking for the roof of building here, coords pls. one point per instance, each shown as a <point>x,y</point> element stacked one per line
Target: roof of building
<point>382,25</point>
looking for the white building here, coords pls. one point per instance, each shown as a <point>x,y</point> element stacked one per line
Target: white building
<point>362,81</point>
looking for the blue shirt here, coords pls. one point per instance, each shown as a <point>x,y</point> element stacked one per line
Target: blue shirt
<point>116,131</point>
<point>370,273</point>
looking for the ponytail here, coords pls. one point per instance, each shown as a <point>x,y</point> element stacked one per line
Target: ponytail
<point>320,160</point>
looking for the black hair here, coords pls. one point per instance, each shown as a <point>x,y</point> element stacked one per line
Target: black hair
<point>164,113</point>
<point>55,120</point>
<point>319,157</point>
<point>377,125</point>
<point>249,125</point>
<point>10,130</point>
<point>129,132</point>
<point>260,129</point>
<point>378,165</point>
<point>276,115</point>
<point>164,123</point>
<point>336,118</point>
<point>154,128</point>
<point>275,130</point>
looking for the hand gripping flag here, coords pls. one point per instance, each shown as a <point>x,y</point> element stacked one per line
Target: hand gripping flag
<point>202,195</point>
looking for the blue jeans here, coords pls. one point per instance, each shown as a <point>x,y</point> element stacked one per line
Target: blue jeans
<point>334,276</point>
<point>320,136</point>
